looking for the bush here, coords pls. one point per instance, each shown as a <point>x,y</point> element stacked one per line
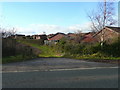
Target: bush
<point>96,50</point>
<point>112,49</point>
<point>72,48</point>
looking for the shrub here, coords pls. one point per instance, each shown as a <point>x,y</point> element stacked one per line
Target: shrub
<point>112,49</point>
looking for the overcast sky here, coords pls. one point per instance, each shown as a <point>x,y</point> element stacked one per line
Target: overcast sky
<point>50,17</point>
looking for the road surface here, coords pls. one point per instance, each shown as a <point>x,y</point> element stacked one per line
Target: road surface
<point>59,73</point>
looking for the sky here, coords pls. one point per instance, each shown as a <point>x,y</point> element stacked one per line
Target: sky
<point>50,17</point>
<point>119,14</point>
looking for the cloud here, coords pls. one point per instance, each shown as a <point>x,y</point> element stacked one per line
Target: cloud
<point>85,27</point>
<point>39,29</point>
<point>48,29</point>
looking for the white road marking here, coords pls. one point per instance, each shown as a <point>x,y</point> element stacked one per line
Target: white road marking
<point>81,68</point>
<point>59,69</point>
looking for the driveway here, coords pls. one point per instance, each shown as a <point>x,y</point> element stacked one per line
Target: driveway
<point>48,64</point>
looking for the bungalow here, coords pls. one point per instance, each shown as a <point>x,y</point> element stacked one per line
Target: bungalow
<point>43,37</point>
<point>12,37</point>
<point>56,37</point>
<point>36,36</point>
<point>28,37</point>
<point>71,35</point>
<point>49,36</point>
<point>17,36</point>
<point>108,34</point>
<point>88,38</point>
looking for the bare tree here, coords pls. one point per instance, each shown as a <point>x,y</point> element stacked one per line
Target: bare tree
<point>7,32</point>
<point>78,36</point>
<point>103,16</point>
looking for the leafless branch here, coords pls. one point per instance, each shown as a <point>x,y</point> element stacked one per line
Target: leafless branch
<point>103,16</point>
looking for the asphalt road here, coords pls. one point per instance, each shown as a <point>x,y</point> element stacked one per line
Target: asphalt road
<point>85,78</point>
<point>59,73</point>
<point>43,64</point>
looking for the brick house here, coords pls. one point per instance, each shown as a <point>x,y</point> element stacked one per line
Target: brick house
<point>56,37</point>
<point>75,37</point>
<point>108,34</point>
<point>88,38</point>
<point>49,36</point>
<point>71,35</point>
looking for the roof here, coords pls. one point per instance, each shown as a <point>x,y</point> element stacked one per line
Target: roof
<point>88,39</point>
<point>57,34</point>
<point>117,29</point>
<point>40,35</point>
<point>19,35</point>
<point>55,37</point>
<point>71,34</point>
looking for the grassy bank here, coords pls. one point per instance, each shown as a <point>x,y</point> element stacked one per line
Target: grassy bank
<point>46,51</point>
<point>67,50</point>
<point>94,58</point>
<point>29,50</point>
<point>91,53</point>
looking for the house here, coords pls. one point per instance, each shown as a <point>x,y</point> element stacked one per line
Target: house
<point>12,37</point>
<point>57,37</point>
<point>50,35</point>
<point>88,38</point>
<point>28,37</point>
<point>36,36</point>
<point>54,38</point>
<point>17,36</point>
<point>81,37</point>
<point>71,35</point>
<point>43,37</point>
<point>74,35</point>
<point>108,34</point>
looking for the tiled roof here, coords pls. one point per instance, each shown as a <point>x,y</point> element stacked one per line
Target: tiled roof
<point>117,29</point>
<point>57,34</point>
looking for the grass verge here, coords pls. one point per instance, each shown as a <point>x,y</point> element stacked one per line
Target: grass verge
<point>94,58</point>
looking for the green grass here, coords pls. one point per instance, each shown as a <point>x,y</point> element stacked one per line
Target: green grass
<point>46,51</point>
<point>91,57</point>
